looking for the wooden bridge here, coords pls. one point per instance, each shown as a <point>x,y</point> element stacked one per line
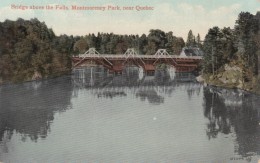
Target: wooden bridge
<point>116,62</point>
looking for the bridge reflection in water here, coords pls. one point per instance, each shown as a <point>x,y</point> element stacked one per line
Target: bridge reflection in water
<point>133,81</point>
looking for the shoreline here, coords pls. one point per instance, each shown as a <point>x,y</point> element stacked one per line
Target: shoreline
<point>35,80</point>
<point>201,79</point>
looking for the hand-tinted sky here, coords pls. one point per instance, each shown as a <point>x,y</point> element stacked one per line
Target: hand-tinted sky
<point>178,16</point>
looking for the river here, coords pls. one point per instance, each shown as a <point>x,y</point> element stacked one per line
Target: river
<point>97,117</point>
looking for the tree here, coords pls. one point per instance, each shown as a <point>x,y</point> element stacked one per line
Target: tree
<point>218,48</point>
<point>81,45</point>
<point>198,41</point>
<point>143,41</point>
<point>156,40</point>
<point>190,39</point>
<point>29,46</point>
<point>169,45</point>
<point>209,49</point>
<point>246,29</point>
<point>178,44</point>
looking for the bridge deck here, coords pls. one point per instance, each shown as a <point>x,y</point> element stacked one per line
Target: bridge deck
<point>115,56</point>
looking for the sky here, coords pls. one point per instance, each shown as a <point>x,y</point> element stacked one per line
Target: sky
<point>178,16</point>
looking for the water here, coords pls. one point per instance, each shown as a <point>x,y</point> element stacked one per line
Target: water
<point>127,118</point>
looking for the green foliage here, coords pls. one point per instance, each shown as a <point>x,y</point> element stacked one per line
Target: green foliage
<point>198,41</point>
<point>81,45</point>
<point>247,27</point>
<point>193,41</point>
<point>218,48</point>
<point>27,47</point>
<point>118,44</point>
<point>190,39</point>
<point>174,44</point>
<point>238,45</point>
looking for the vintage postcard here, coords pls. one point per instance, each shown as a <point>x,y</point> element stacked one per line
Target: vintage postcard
<point>142,81</point>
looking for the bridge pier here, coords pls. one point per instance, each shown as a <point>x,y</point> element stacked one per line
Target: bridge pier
<point>149,73</point>
<point>118,72</point>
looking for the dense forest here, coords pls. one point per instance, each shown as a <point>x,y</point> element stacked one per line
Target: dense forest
<point>30,50</point>
<point>239,46</point>
<point>117,44</point>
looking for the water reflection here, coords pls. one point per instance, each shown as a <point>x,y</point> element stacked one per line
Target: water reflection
<point>152,88</point>
<point>29,108</point>
<point>161,117</point>
<point>234,111</point>
<point>151,95</point>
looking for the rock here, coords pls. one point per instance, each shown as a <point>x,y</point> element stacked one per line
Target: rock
<point>231,75</point>
<point>200,79</point>
<point>227,68</point>
<point>36,76</point>
<point>223,80</point>
<point>219,75</point>
<point>234,68</point>
<point>240,86</point>
<point>228,76</point>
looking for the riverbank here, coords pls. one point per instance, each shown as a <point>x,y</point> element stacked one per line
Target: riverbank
<point>36,77</point>
<point>231,77</point>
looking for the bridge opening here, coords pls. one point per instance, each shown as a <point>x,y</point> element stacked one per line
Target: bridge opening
<point>90,75</point>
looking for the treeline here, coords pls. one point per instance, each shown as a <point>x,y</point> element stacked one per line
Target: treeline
<point>106,43</point>
<point>29,49</point>
<point>238,46</point>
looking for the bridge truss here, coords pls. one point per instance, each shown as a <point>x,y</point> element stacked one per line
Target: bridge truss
<point>116,62</point>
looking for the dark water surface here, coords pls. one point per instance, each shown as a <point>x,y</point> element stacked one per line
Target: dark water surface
<point>95,117</point>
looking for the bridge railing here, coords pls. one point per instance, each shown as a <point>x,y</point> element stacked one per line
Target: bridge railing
<point>119,56</point>
<point>161,53</point>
